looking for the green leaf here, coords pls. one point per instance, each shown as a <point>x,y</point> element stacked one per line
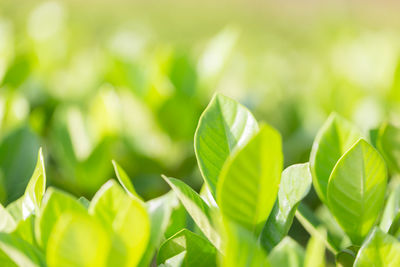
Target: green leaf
<point>127,217</point>
<point>55,203</point>
<point>295,183</point>
<point>315,251</point>
<point>224,126</point>
<point>356,190</point>
<point>78,240</point>
<point>196,207</point>
<point>249,181</point>
<point>7,221</point>
<point>287,253</point>
<point>124,179</point>
<point>388,143</point>
<point>390,218</point>
<point>35,190</point>
<point>199,251</point>
<point>379,249</point>
<point>334,138</point>
<point>242,248</point>
<point>15,209</point>
<point>160,212</point>
<point>20,251</point>
<point>347,256</point>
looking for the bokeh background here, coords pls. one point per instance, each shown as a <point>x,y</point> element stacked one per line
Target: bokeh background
<point>92,81</point>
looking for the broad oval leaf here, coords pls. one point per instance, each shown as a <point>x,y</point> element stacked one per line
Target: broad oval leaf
<point>55,203</point>
<point>126,216</point>
<point>287,253</point>
<point>124,179</point>
<point>78,240</point>
<point>35,190</point>
<point>196,207</point>
<point>199,251</point>
<point>249,181</point>
<point>224,126</point>
<point>295,183</point>
<point>379,249</point>
<point>356,190</point>
<point>388,143</point>
<point>334,138</point>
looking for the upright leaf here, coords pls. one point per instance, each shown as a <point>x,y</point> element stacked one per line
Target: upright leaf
<point>249,181</point>
<point>78,240</point>
<point>124,179</point>
<point>287,253</point>
<point>7,222</point>
<point>388,143</point>
<point>390,218</point>
<point>334,138</point>
<point>127,217</point>
<point>356,190</point>
<point>379,249</point>
<point>55,203</point>
<point>242,248</point>
<point>295,184</point>
<point>196,207</point>
<point>224,126</point>
<point>315,251</point>
<point>199,251</point>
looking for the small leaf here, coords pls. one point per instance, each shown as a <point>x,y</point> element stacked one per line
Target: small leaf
<point>356,190</point>
<point>160,212</point>
<point>295,184</point>
<point>124,179</point>
<point>242,248</point>
<point>78,240</point>
<point>388,143</point>
<point>35,189</point>
<point>196,207</point>
<point>127,217</point>
<point>390,218</point>
<point>315,251</point>
<point>287,253</point>
<point>199,251</point>
<point>249,181</point>
<point>224,126</point>
<point>55,203</point>
<point>379,249</point>
<point>334,138</point>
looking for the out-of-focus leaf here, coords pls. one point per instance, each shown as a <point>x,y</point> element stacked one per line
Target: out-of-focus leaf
<point>311,223</point>
<point>390,219</point>
<point>15,209</point>
<point>160,211</point>
<point>20,251</point>
<point>84,201</point>
<point>315,251</point>
<point>242,248</point>
<point>249,181</point>
<point>224,126</point>
<point>17,160</point>
<point>388,143</point>
<point>347,256</point>
<point>55,203</point>
<point>25,230</point>
<point>7,222</point>
<point>127,218</point>
<point>334,138</point>
<point>124,179</point>
<point>379,249</point>
<point>356,190</point>
<point>295,183</point>
<point>196,207</point>
<point>78,240</point>
<point>35,190</point>
<point>287,253</point>
<point>199,251</point>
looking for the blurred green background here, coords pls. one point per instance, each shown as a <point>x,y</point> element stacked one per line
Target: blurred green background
<point>92,81</point>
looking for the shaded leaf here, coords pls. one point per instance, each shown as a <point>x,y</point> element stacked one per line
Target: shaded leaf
<point>124,179</point>
<point>334,138</point>
<point>390,218</point>
<point>287,254</point>
<point>295,183</point>
<point>224,126</point>
<point>388,143</point>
